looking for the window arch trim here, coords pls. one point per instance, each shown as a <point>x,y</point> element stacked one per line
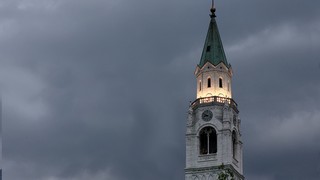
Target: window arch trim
<point>208,125</point>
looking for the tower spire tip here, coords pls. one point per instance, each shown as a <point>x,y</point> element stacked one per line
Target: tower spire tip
<point>213,10</point>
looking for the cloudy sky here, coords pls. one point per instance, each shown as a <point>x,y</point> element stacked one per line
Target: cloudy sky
<point>99,89</point>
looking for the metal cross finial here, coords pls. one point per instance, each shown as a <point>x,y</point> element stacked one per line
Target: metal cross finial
<point>213,10</point>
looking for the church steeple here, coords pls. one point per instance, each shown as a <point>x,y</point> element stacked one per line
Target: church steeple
<point>213,51</point>
<point>213,136</point>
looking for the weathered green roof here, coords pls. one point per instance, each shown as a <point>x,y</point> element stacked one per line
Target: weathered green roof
<point>213,51</point>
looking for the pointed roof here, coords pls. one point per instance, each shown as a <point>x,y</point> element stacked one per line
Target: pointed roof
<point>213,51</point>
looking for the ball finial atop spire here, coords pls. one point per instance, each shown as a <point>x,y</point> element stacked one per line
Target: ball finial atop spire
<point>213,10</point>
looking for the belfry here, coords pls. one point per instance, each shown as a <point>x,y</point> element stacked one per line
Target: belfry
<point>213,136</point>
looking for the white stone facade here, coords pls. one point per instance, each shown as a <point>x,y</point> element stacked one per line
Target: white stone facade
<point>214,73</point>
<point>224,120</point>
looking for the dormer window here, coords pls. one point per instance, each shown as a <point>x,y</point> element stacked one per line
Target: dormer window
<point>220,83</point>
<point>209,82</point>
<point>208,48</point>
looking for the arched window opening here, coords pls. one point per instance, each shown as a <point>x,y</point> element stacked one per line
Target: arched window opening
<point>200,86</point>
<point>209,82</point>
<point>208,141</point>
<point>234,144</point>
<point>220,82</point>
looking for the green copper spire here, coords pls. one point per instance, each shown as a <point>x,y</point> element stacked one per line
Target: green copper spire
<point>213,51</point>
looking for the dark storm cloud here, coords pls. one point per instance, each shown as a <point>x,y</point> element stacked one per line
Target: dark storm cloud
<point>100,89</point>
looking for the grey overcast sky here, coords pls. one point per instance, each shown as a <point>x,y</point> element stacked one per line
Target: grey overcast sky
<point>99,89</point>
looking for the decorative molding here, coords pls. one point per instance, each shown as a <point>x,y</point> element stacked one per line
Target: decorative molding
<point>208,157</point>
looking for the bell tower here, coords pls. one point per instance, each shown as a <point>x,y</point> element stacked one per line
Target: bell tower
<point>213,136</point>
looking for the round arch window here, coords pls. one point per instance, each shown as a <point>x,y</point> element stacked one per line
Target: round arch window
<point>208,140</point>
